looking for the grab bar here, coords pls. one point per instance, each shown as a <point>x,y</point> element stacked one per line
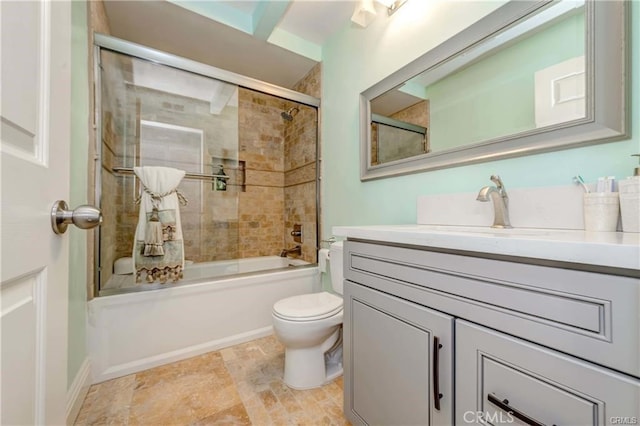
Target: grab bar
<point>199,176</point>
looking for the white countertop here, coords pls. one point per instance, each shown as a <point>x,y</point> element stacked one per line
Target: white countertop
<point>609,249</point>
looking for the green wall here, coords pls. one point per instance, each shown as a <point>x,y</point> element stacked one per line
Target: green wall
<point>355,58</point>
<point>79,154</point>
<point>495,97</point>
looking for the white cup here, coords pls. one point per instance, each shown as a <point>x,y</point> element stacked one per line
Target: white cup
<point>630,204</point>
<point>601,211</point>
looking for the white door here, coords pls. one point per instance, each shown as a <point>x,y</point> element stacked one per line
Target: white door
<point>34,163</point>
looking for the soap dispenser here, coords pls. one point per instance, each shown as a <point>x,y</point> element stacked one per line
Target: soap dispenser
<point>629,190</point>
<point>220,180</point>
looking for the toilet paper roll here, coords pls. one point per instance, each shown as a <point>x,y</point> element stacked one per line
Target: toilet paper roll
<point>323,258</point>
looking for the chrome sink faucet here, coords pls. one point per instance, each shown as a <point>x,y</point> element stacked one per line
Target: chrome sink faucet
<point>500,200</point>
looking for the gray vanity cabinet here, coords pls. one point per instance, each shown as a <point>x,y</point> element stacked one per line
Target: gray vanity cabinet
<point>552,345</point>
<point>400,369</point>
<point>497,374</point>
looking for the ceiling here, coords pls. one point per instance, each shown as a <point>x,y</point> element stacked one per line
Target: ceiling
<point>277,41</point>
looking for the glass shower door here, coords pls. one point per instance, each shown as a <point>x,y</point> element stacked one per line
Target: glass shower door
<point>155,115</point>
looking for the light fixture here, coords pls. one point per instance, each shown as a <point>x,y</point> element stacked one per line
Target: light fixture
<point>364,13</point>
<point>392,5</point>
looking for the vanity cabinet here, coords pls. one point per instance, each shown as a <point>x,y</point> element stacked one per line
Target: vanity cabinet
<point>404,352</point>
<point>497,374</point>
<point>547,343</point>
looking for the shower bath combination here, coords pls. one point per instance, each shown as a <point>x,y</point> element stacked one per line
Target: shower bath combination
<point>241,224</point>
<point>290,113</point>
<point>233,273</point>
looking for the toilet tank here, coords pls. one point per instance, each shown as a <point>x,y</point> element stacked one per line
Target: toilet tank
<point>335,265</point>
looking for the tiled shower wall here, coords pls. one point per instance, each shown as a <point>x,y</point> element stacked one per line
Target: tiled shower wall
<point>99,23</point>
<point>261,207</point>
<point>280,177</point>
<point>209,224</point>
<point>112,143</point>
<point>280,158</point>
<point>300,154</point>
<point>416,114</point>
<point>110,185</point>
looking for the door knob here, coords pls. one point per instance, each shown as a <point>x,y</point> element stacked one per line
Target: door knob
<point>84,217</point>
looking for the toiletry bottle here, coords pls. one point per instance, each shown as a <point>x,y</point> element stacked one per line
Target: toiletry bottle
<point>629,190</point>
<point>221,179</point>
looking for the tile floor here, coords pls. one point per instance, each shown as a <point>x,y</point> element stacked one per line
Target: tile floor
<point>240,385</point>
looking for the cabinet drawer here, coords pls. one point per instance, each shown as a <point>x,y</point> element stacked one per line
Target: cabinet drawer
<point>582,313</point>
<point>496,374</point>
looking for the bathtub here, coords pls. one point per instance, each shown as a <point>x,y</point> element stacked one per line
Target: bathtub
<point>131,332</point>
<point>198,271</point>
<point>194,272</point>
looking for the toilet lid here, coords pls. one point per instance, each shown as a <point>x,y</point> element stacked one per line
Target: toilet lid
<point>306,307</point>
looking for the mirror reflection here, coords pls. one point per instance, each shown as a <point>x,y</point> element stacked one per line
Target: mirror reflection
<point>397,136</point>
<point>529,76</point>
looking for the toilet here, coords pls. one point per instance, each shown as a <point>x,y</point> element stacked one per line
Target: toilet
<point>310,328</point>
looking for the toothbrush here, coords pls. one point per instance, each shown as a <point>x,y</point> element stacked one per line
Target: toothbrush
<point>610,184</point>
<point>578,179</point>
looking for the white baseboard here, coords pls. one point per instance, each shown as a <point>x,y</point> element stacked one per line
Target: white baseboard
<point>78,391</point>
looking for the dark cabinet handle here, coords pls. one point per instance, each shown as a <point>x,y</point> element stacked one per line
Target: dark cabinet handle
<point>436,373</point>
<point>504,405</point>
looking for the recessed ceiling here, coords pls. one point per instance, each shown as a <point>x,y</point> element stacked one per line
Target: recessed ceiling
<point>315,21</point>
<point>274,41</point>
<point>245,6</point>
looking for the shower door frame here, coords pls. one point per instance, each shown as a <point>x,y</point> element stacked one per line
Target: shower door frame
<point>117,45</point>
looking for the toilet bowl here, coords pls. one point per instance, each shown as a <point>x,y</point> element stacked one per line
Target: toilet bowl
<point>310,328</point>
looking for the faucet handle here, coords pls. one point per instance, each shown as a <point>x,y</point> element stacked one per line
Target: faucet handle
<point>496,179</point>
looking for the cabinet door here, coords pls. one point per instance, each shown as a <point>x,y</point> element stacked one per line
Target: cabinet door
<point>501,379</point>
<point>398,360</point>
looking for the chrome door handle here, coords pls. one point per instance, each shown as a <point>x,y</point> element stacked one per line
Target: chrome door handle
<point>84,217</point>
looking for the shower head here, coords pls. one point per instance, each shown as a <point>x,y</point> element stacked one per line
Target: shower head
<point>290,113</point>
